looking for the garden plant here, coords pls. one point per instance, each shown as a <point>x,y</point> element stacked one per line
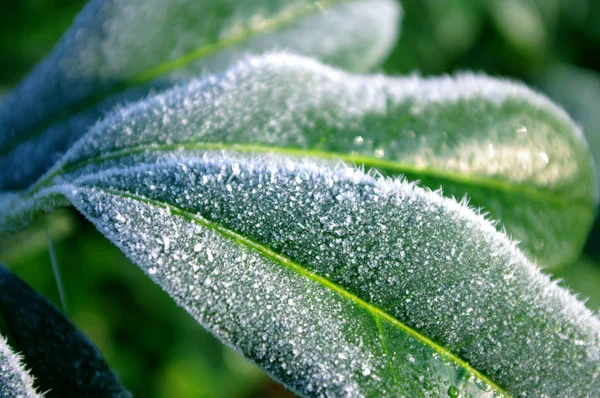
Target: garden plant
<point>351,233</point>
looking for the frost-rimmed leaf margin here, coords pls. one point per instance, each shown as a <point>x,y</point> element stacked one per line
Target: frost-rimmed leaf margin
<point>510,150</point>
<point>427,260</point>
<point>102,61</point>
<point>15,380</point>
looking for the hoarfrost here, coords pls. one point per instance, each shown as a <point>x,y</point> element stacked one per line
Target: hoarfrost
<point>323,274</point>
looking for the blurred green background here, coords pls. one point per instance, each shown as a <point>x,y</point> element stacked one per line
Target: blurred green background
<point>155,347</point>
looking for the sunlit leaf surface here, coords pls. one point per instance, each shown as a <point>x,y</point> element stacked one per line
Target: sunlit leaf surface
<point>509,150</point>
<point>227,194</point>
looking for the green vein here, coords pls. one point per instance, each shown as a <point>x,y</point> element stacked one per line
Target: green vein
<point>299,269</point>
<point>282,20</point>
<point>391,166</point>
<point>385,349</point>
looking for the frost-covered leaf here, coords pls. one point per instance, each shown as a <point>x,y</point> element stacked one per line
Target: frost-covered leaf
<point>119,50</point>
<point>578,90</point>
<point>63,362</point>
<point>333,281</point>
<point>583,278</point>
<point>510,150</point>
<point>15,380</point>
<point>339,284</point>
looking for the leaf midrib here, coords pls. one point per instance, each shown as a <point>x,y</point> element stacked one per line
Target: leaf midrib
<point>160,70</point>
<point>276,257</point>
<point>393,166</point>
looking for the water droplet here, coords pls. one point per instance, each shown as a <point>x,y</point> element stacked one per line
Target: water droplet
<point>544,157</point>
<point>152,270</point>
<point>453,392</point>
<point>358,140</point>
<point>427,385</point>
<point>209,255</point>
<point>521,130</point>
<point>366,370</point>
<point>379,153</point>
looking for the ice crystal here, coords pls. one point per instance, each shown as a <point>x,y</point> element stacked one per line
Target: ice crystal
<point>15,381</point>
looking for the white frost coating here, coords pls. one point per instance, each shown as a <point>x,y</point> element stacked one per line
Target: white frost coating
<point>469,133</point>
<point>427,261</point>
<point>229,108</point>
<point>15,381</point>
<point>155,170</point>
<point>115,45</point>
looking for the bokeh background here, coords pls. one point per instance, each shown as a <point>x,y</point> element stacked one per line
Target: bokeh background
<point>155,347</point>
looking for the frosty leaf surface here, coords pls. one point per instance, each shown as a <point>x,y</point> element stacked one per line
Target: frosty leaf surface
<point>510,150</point>
<point>15,380</point>
<point>63,362</point>
<point>339,283</point>
<point>230,194</point>
<point>118,51</point>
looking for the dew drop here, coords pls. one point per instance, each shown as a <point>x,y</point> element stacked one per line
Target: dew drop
<point>453,392</point>
<point>358,140</point>
<point>521,130</point>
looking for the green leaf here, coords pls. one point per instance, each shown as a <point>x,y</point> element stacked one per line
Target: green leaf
<point>510,150</point>
<point>119,51</point>
<point>15,380</point>
<point>62,360</point>
<point>336,282</point>
<point>578,90</point>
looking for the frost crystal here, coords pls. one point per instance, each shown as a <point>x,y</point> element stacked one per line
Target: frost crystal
<point>15,381</point>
